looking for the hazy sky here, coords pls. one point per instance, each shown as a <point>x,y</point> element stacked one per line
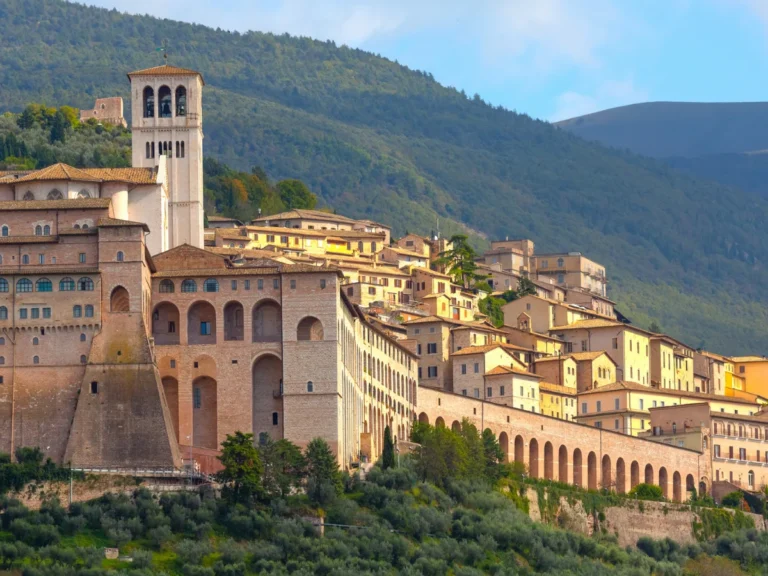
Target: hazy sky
<point>552,59</point>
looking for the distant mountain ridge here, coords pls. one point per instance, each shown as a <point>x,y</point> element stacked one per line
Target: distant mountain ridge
<point>374,139</point>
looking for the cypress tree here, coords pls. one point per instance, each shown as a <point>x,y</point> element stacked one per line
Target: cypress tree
<point>388,455</point>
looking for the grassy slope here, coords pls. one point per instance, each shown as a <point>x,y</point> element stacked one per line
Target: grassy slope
<point>375,139</point>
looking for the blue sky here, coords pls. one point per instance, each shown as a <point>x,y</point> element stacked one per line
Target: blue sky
<point>552,59</point>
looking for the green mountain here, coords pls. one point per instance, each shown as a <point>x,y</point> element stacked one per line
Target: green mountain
<point>374,139</point>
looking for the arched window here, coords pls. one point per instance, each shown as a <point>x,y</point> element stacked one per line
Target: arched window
<point>310,386</point>
<point>83,359</point>
<point>3,313</point>
<point>120,300</point>
<point>211,285</point>
<point>24,285</point>
<point>36,360</point>
<point>46,230</point>
<point>77,226</point>
<point>66,285</point>
<point>167,286</point>
<point>560,262</point>
<point>120,256</point>
<point>149,102</point>
<point>189,286</point>
<point>88,311</point>
<point>148,153</point>
<point>84,194</point>
<point>77,311</point>
<point>44,285</point>
<point>85,285</point>
<point>82,337</point>
<point>29,195</point>
<point>85,226</point>
<point>181,101</point>
<point>178,149</point>
<point>35,341</point>
<point>164,98</point>
<point>25,259</point>
<point>38,230</point>
<point>55,195</point>
<point>751,478</point>
<point>309,328</point>
<point>3,285</point>
<point>2,359</point>
<point>183,153</point>
<point>6,230</point>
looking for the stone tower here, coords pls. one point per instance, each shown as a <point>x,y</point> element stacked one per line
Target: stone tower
<point>167,120</point>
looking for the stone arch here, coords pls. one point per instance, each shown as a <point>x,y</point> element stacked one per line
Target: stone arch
<point>578,468</point>
<point>234,321</point>
<point>171,391</point>
<point>690,484</point>
<point>165,324</point>
<point>621,476</point>
<point>703,489</point>
<point>456,426</point>
<point>664,481</point>
<point>562,464</point>
<point>439,422</point>
<point>592,471</point>
<point>634,474</point>
<point>310,328</point>
<point>606,478</point>
<point>205,413</point>
<point>677,488</point>
<point>519,449</point>
<point>55,195</point>
<point>120,300</point>
<point>181,101</point>
<point>423,418</point>
<point>201,323</point>
<point>267,396</point>
<point>549,464</point>
<point>648,474</point>
<point>504,445</point>
<point>267,321</point>
<point>533,458</point>
<point>164,102</point>
<point>149,102</point>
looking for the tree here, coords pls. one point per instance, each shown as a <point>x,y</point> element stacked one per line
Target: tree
<point>459,260</point>
<point>295,194</point>
<point>285,467</point>
<point>323,475</point>
<point>493,453</point>
<point>388,454</point>
<point>491,307</point>
<point>655,328</point>
<point>242,467</point>
<point>646,492</point>
<point>59,126</point>
<point>525,287</point>
<point>733,499</point>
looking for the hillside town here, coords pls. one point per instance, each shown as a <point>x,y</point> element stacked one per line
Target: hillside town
<point>138,332</point>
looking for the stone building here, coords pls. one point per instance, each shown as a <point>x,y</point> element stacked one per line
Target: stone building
<point>109,110</point>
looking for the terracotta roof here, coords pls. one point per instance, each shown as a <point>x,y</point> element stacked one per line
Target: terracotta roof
<point>29,239</point>
<point>73,204</point>
<point>131,175</point>
<point>715,356</point>
<point>557,388</point>
<point>561,358</point>
<point>581,356</point>
<point>29,270</point>
<point>215,218</point>
<point>431,272</point>
<point>478,349</point>
<point>405,252</point>
<point>78,231</point>
<point>13,175</point>
<point>498,370</point>
<point>117,223</point>
<point>743,359</point>
<point>59,171</point>
<point>166,70</point>
<point>592,323</point>
<point>635,387</point>
<point>430,319</point>
<point>309,214</point>
<point>245,271</point>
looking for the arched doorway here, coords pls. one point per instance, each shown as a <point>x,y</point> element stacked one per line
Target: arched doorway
<point>119,300</point>
<point>621,486</point>
<point>267,397</point>
<point>310,328</point>
<point>549,458</point>
<point>634,472</point>
<point>165,324</point>
<point>702,488</point>
<point>205,413</point>
<point>562,464</point>
<point>201,324</point>
<point>439,422</point>
<point>606,481</point>
<point>533,458</point>
<point>648,474</point>
<point>578,468</point>
<point>592,471</point>
<point>423,418</point>
<point>171,391</point>
<point>455,426</point>
<point>504,445</point>
<point>664,481</point>
<point>233,321</point>
<point>677,489</point>
<point>519,450</point>
<point>267,322</point>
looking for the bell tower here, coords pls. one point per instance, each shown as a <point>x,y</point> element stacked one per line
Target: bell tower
<point>167,120</point>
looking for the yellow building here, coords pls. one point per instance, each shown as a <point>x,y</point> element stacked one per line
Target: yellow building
<point>513,386</point>
<point>624,406</point>
<point>594,369</point>
<point>750,375</point>
<point>542,314</point>
<point>559,370</point>
<point>523,336</point>
<point>557,401</point>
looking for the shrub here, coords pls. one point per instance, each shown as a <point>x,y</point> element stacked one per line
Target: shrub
<point>645,491</point>
<point>733,499</point>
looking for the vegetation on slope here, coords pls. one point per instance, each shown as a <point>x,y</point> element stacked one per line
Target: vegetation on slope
<point>378,140</point>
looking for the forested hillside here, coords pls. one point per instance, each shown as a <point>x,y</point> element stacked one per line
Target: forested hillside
<point>375,139</point>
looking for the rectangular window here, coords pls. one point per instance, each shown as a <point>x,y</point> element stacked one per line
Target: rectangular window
<point>81,258</point>
<point>46,312</point>
<point>35,312</point>
<point>642,404</point>
<point>260,284</point>
<point>432,372</point>
<point>583,407</point>
<point>205,328</point>
<point>463,368</point>
<point>173,363</point>
<point>501,390</point>
<point>615,343</point>
<point>489,392</point>
<point>293,284</point>
<point>234,285</point>
<point>464,392</point>
<point>717,450</point>
<point>432,348</point>
<point>275,283</point>
<point>274,418</point>
<point>419,372</point>
<point>41,258</point>
<point>477,368</point>
<point>322,284</point>
<point>598,424</point>
<point>616,404</point>
<point>171,329</point>
<point>23,313</point>
<point>247,284</point>
<point>584,346</point>
<point>599,406</point>
<point>477,392</point>
<point>616,424</point>
<point>742,453</point>
<point>197,400</point>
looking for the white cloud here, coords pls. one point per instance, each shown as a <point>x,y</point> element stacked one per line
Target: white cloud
<point>609,94</point>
